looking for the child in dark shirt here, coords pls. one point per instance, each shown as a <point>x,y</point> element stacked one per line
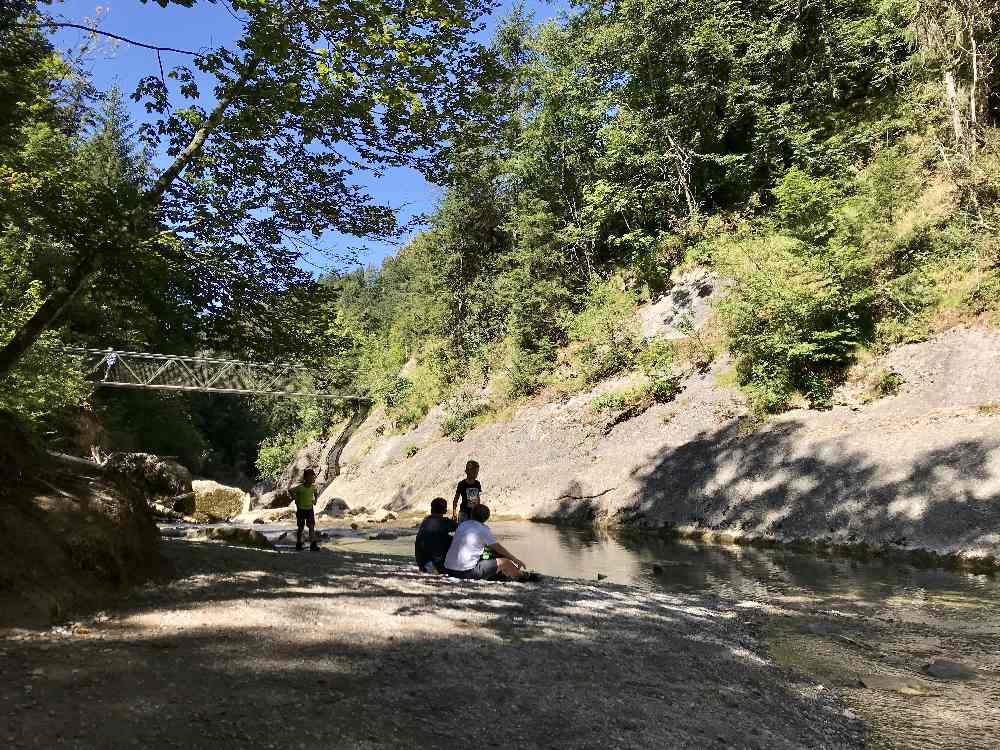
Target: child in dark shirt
<point>434,538</point>
<point>468,492</point>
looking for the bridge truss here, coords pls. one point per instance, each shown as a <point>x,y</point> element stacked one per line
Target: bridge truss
<point>167,372</point>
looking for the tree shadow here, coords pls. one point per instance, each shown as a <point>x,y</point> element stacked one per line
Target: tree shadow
<point>353,650</point>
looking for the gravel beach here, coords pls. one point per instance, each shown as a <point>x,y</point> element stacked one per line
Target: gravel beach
<point>348,650</point>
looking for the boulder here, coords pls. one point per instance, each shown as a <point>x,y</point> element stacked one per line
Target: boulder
<point>20,453</point>
<point>382,515</point>
<point>335,507</point>
<point>269,500</point>
<point>157,476</point>
<point>262,487</point>
<point>238,537</point>
<point>217,499</point>
<point>948,669</point>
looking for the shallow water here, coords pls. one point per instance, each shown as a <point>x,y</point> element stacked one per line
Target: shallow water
<point>866,629</point>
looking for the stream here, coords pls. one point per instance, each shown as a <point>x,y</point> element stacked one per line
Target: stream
<point>866,629</point>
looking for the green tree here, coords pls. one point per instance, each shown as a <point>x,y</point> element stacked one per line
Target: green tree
<point>262,156</point>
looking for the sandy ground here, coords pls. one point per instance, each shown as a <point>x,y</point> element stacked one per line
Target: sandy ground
<point>334,649</point>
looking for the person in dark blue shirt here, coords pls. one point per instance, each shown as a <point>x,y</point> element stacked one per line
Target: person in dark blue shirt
<point>434,538</point>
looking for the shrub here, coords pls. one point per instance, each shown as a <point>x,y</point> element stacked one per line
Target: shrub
<point>614,400</point>
<point>527,371</point>
<point>411,451</point>
<point>277,451</point>
<point>463,413</point>
<point>607,327</point>
<point>793,319</point>
<point>805,206</point>
<point>885,383</point>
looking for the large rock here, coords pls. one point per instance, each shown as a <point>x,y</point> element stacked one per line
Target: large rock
<point>216,499</point>
<point>948,669</point>
<point>270,500</point>
<point>161,477</point>
<point>334,507</point>
<point>238,537</point>
<point>71,534</point>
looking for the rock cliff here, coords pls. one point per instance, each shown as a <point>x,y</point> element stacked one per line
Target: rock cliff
<point>917,468</point>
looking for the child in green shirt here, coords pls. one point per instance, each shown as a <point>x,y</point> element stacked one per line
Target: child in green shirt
<point>305,501</point>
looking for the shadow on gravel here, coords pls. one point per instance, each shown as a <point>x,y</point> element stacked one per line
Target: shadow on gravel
<point>352,651</point>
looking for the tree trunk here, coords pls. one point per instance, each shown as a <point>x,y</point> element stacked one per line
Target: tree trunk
<point>951,95</point>
<point>46,315</point>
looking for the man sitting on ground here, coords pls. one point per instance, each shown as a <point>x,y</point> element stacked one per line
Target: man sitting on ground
<point>472,539</point>
<point>434,538</point>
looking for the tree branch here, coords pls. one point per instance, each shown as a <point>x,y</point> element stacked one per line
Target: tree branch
<point>171,173</point>
<point>66,25</point>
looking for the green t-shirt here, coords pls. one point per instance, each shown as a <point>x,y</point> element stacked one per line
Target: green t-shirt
<point>305,496</point>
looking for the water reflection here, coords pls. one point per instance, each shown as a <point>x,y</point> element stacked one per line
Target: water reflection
<point>840,620</point>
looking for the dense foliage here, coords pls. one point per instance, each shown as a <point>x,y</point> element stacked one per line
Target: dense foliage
<point>808,153</point>
<point>835,163</point>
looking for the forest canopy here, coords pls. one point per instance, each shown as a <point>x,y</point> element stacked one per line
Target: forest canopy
<point>835,162</point>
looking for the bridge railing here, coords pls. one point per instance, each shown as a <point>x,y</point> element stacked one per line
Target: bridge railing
<point>167,372</point>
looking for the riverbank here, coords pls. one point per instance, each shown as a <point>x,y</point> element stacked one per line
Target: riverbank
<point>340,649</point>
<point>911,470</point>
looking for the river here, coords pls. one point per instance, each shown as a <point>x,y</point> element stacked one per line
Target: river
<point>866,629</point>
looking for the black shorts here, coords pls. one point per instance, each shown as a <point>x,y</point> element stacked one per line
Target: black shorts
<point>305,518</point>
<point>485,570</point>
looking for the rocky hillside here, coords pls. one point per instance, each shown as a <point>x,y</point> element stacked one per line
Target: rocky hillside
<point>907,458</point>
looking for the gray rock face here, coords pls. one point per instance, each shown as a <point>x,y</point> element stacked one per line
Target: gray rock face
<point>273,499</point>
<point>920,468</point>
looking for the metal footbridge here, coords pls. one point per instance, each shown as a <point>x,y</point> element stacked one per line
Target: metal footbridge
<point>168,372</point>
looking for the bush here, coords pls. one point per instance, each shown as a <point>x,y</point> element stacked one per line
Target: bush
<point>615,400</point>
<point>607,328</point>
<point>527,371</point>
<point>411,451</point>
<point>793,319</point>
<point>463,412</point>
<point>278,451</point>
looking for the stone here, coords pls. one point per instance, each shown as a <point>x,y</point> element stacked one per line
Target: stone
<point>185,504</point>
<point>901,685</point>
<point>382,515</point>
<point>217,499</point>
<point>239,537</point>
<point>335,507</point>
<point>269,500</point>
<point>948,669</point>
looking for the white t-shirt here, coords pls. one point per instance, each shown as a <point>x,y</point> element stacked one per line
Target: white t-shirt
<point>467,546</point>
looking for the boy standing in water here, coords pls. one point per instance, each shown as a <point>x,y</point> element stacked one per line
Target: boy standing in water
<point>305,501</point>
<point>468,492</point>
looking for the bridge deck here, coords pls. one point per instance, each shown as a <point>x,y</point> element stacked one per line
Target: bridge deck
<point>167,372</point>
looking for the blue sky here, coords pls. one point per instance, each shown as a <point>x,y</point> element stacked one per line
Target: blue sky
<point>210,24</point>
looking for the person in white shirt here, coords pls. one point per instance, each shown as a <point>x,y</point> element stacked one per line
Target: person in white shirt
<point>465,556</point>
